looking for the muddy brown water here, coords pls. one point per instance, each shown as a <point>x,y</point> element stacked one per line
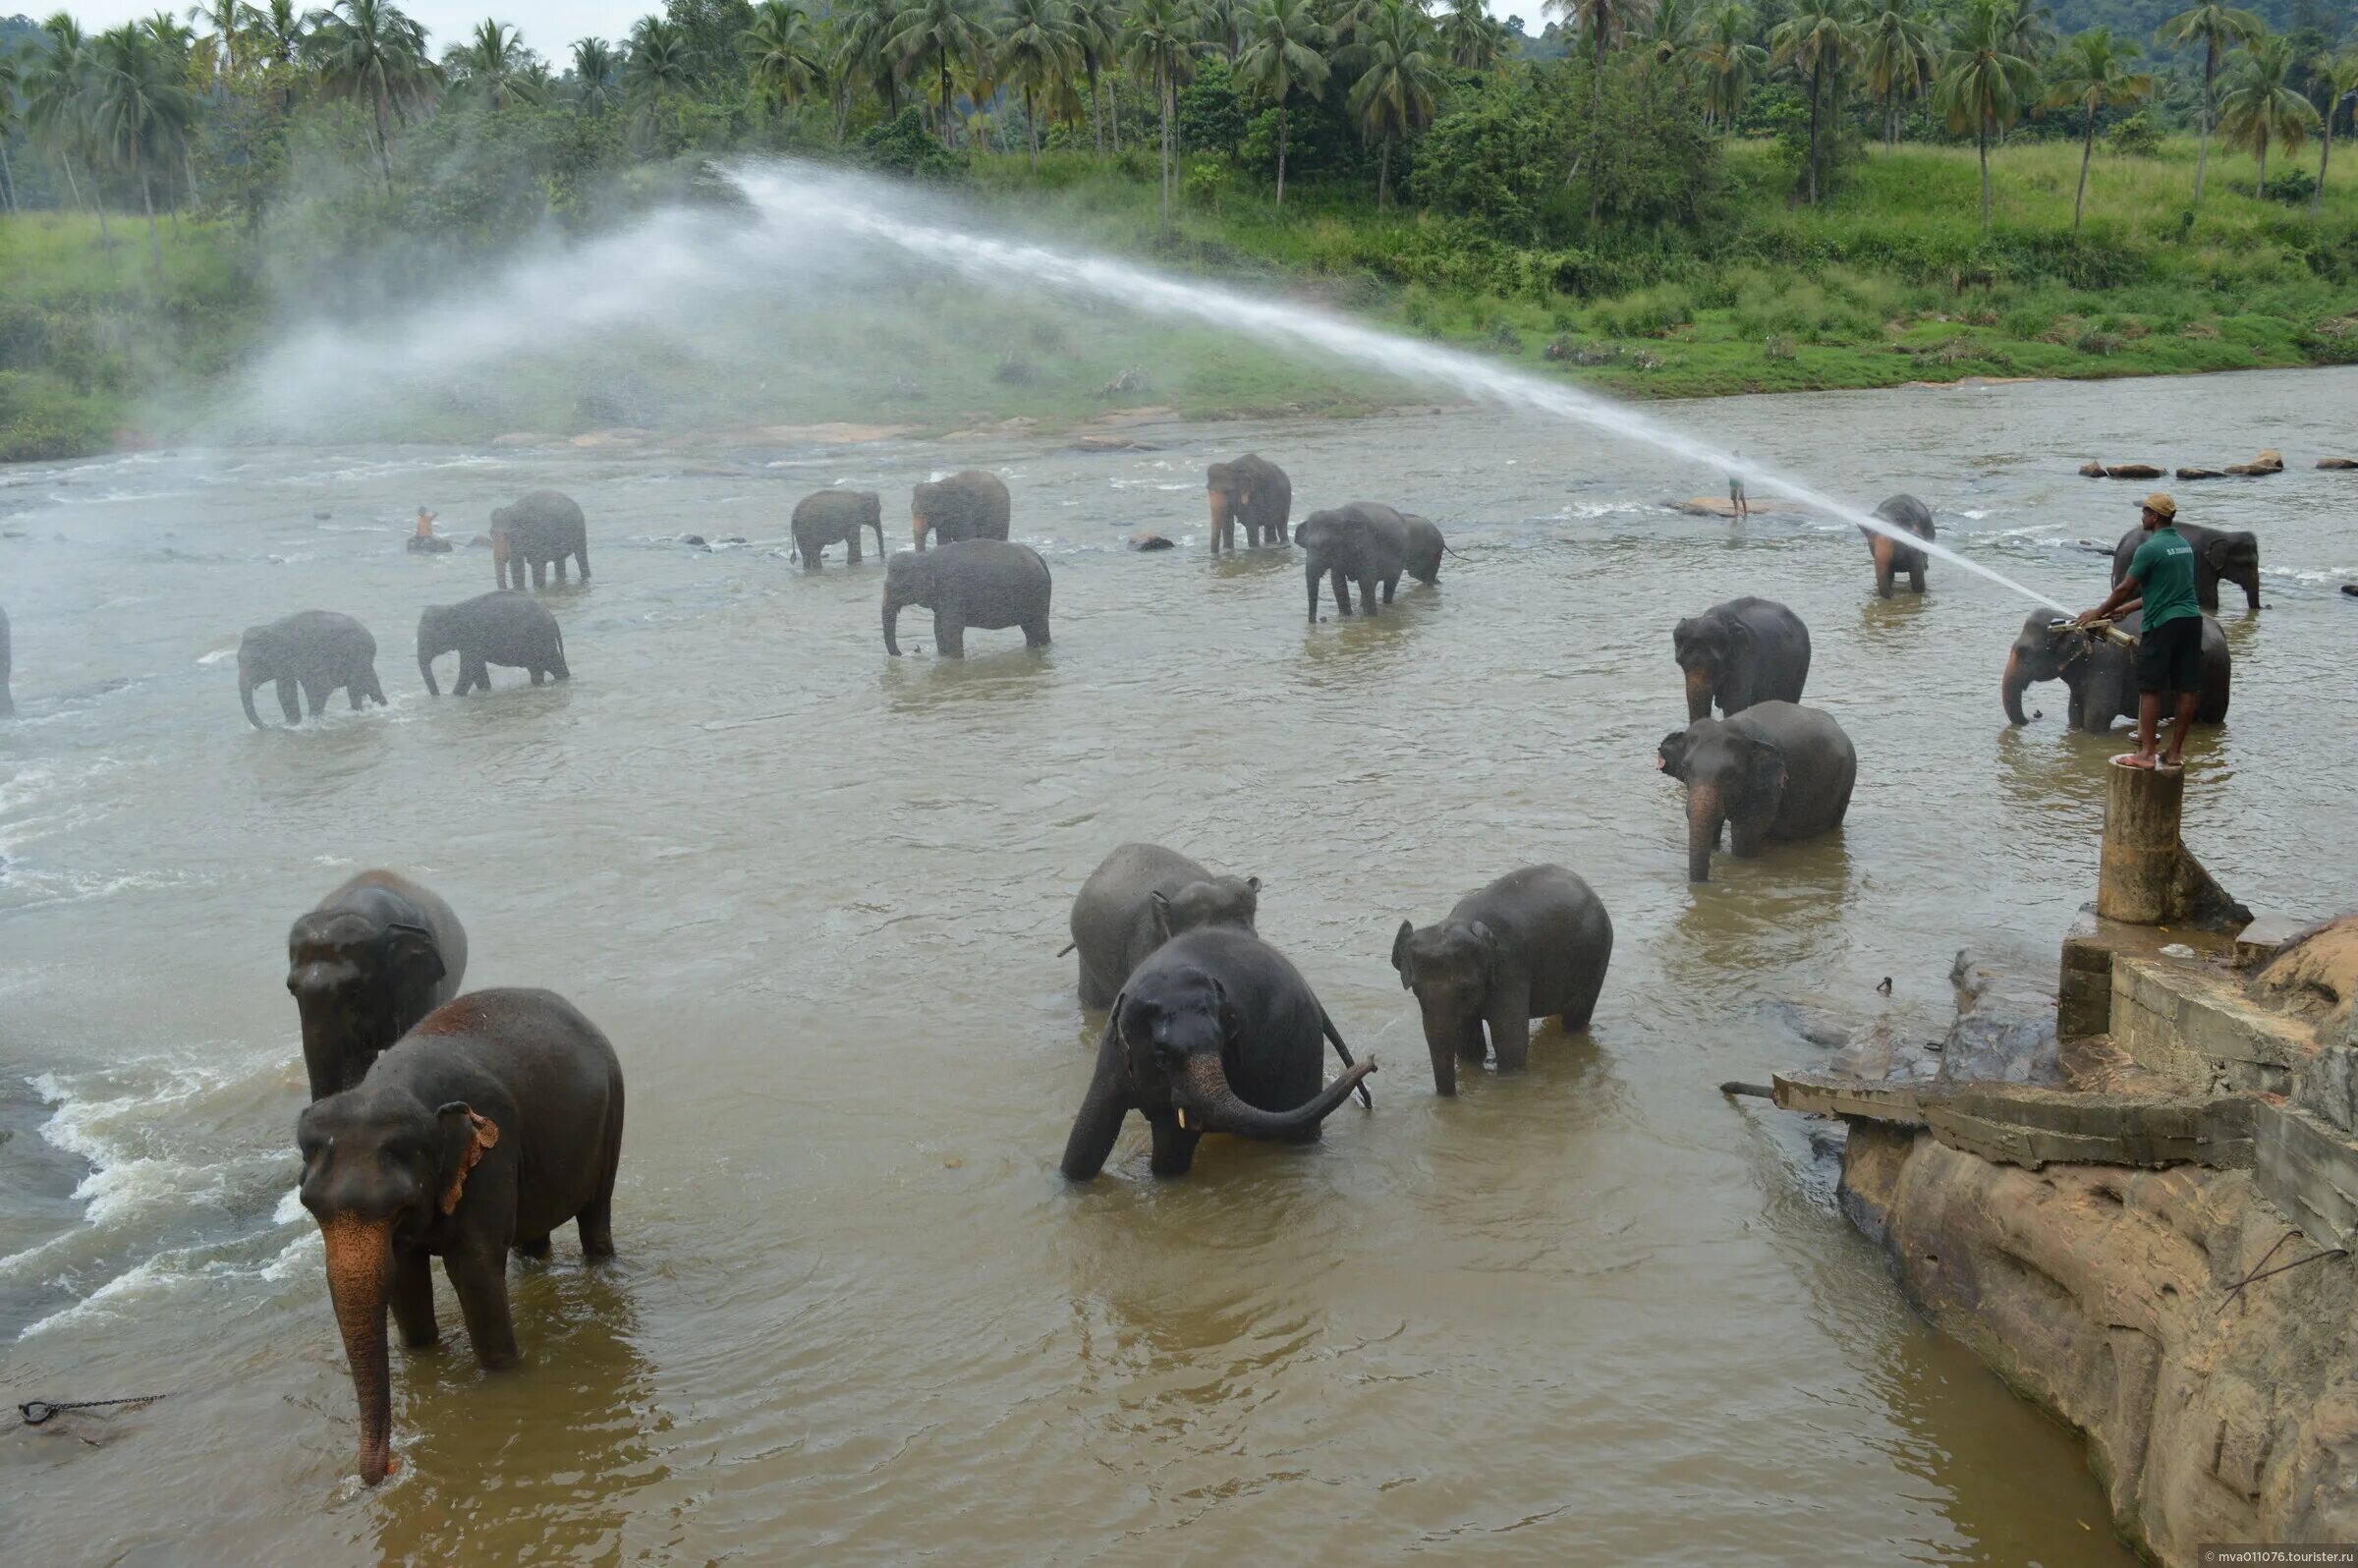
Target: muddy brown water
<point>815,896</point>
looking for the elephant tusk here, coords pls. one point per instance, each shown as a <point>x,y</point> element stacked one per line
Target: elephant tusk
<point>1183,1120</point>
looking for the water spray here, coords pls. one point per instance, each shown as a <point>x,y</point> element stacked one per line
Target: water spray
<point>815,197</point>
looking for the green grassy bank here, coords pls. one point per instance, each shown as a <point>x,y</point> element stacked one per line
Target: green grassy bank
<point>1890,281</point>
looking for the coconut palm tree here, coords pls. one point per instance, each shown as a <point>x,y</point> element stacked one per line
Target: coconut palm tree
<point>2092,74</point>
<point>492,67</point>
<point>783,59</point>
<point>1036,49</point>
<point>139,112</point>
<point>1672,33</point>
<point>2261,109</point>
<point>1282,38</point>
<point>2217,29</point>
<point>1158,45</point>
<point>1397,78</point>
<point>593,73</point>
<point>952,34</point>
<point>1731,61</point>
<point>864,52</point>
<point>369,49</point>
<point>2337,75</point>
<point>1814,42</point>
<point>278,31</point>
<point>11,117</point>
<point>226,22</point>
<point>1982,88</point>
<point>1097,29</point>
<point>1606,22</point>
<point>1470,41</point>
<point>1897,51</point>
<point>54,81</point>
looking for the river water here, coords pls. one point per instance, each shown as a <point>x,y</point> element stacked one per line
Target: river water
<point>815,896</point>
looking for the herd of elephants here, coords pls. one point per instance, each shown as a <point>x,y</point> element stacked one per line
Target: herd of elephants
<point>470,1127</point>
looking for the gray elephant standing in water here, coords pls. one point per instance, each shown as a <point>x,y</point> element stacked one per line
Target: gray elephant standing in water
<point>319,651</point>
<point>1892,557</point>
<point>377,954</point>
<point>540,531</point>
<point>985,583</point>
<point>1140,897</point>
<point>2219,555</point>
<point>8,704</point>
<point>2101,675</point>
<point>1422,557</point>
<point>968,505</point>
<point>1744,652</point>
<point>836,517</point>
<point>1250,490</point>
<point>1364,542</point>
<point>507,627</point>
<point>1776,770</point>
<point>1533,944</point>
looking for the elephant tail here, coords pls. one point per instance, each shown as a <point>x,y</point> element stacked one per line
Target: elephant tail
<point>1344,1051</point>
<point>1066,948</point>
<point>1446,546</point>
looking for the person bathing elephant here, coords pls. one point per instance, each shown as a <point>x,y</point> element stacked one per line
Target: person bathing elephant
<point>1776,770</point>
<point>1215,1033</point>
<point>377,954</point>
<point>538,531</point>
<point>1533,944</point>
<point>1746,651</point>
<point>836,517</point>
<point>985,583</point>
<point>2101,675</point>
<point>506,628</point>
<point>1140,897</point>
<point>2218,556</point>
<point>493,1122</point>
<point>1364,542</point>
<point>1250,490</point>
<point>1892,557</point>
<point>319,651</point>
<point>971,504</point>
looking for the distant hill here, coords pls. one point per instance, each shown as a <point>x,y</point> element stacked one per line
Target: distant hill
<point>2139,18</point>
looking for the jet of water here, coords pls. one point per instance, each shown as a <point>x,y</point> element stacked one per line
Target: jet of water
<point>808,197</point>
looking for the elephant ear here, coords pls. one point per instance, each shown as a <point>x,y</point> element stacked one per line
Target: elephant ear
<point>464,1138</point>
<point>1158,917</point>
<point>1671,756</point>
<point>1401,960</point>
<point>413,956</point>
<point>1489,951</point>
<point>1764,773</point>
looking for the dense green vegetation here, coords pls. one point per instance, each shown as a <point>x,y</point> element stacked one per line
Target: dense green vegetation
<point>1667,196</point>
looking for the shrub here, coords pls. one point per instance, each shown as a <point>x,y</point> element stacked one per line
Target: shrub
<point>1202,185</point>
<point>2293,185</point>
<point>2098,342</point>
<point>903,145</point>
<point>1777,346</point>
<point>2135,137</point>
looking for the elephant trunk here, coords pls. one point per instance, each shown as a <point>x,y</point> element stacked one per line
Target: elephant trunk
<point>892,616</point>
<point>1312,569</point>
<point>246,681</point>
<point>1886,562</point>
<point>1219,515</point>
<point>360,1272</point>
<point>918,528</point>
<point>1206,1099</point>
<point>1446,1037</point>
<point>2249,582</point>
<point>1699,694</point>
<point>1706,814</point>
<point>2011,691</point>
<point>499,560</point>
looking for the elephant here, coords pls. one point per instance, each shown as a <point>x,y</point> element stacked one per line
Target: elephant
<point>1215,1033</point>
<point>8,702</point>
<point>493,1122</point>
<point>1892,557</point>
<point>507,627</point>
<point>2102,675</point>
<point>377,954</point>
<point>1746,651</point>
<point>2219,555</point>
<point>1364,542</point>
<point>539,531</point>
<point>1425,546</point>
<point>985,583</point>
<point>1533,944</point>
<point>836,517</point>
<point>1140,897</point>
<point>319,651</point>
<point>968,505</point>
<point>1250,490</point>
<point>1775,770</point>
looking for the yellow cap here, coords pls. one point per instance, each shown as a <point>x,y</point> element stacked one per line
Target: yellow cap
<point>2163,504</point>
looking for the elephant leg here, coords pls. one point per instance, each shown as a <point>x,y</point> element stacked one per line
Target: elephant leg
<point>1390,584</point>
<point>949,636</point>
<point>1035,633</point>
<point>1101,1111</point>
<point>287,701</point>
<point>477,675</point>
<point>539,675</point>
<point>1342,593</point>
<point>1174,1147</point>
<point>315,693</point>
<point>1367,594</point>
<point>412,1298</point>
<point>581,558</point>
<point>1915,580</point>
<point>533,1247</point>
<point>1093,992</point>
<point>539,574</point>
<point>851,548</point>
<point>557,667</point>
<point>352,694</point>
<point>1508,1016</point>
<point>1583,1004</point>
<point>557,567</point>
<point>479,1274</point>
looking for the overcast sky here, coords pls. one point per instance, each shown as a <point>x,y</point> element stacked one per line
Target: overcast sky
<point>548,26</point>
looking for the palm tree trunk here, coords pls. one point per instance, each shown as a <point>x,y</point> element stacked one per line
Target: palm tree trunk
<point>1817,96</point>
<point>2202,156</point>
<point>1596,120</point>
<point>1096,117</point>
<point>1166,153</point>
<point>384,159</point>
<point>2324,156</point>
<point>1031,126</point>
<point>8,178</point>
<point>1113,108</point>
<point>1383,174</point>
<point>65,161</point>
<point>156,243</point>
<point>2087,152</point>
<point>2321,177</point>
<point>1981,136</point>
<point>2260,185</point>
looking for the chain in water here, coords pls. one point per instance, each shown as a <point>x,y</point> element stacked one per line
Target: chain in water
<point>854,207</point>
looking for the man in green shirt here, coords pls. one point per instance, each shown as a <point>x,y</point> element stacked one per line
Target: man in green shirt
<point>2170,646</point>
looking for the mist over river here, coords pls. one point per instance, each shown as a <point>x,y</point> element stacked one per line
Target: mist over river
<point>814,895</point>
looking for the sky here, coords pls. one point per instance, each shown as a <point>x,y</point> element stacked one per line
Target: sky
<point>549,27</point>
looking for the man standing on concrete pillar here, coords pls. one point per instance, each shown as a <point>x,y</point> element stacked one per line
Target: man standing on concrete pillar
<point>2170,647</point>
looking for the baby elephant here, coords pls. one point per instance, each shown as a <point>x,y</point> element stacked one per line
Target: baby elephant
<point>1138,898</point>
<point>1775,770</point>
<point>319,651</point>
<point>1533,944</point>
<point>1365,543</point>
<point>836,517</point>
<point>1215,1033</point>
<point>971,504</point>
<point>1746,651</point>
<point>507,627</point>
<point>377,955</point>
<point>494,1121</point>
<point>538,531</point>
<point>985,583</point>
<point>1892,557</point>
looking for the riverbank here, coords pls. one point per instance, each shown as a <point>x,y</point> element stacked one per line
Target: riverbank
<point>1890,283</point>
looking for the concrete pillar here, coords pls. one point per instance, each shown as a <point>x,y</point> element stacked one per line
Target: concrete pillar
<point>2142,852</point>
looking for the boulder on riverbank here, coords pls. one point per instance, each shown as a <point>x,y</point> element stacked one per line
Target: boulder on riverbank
<point>2337,463</point>
<point>2202,474</point>
<point>2271,461</point>
<point>1111,444</point>
<point>1722,507</point>
<point>1146,540</point>
<point>2120,470</point>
